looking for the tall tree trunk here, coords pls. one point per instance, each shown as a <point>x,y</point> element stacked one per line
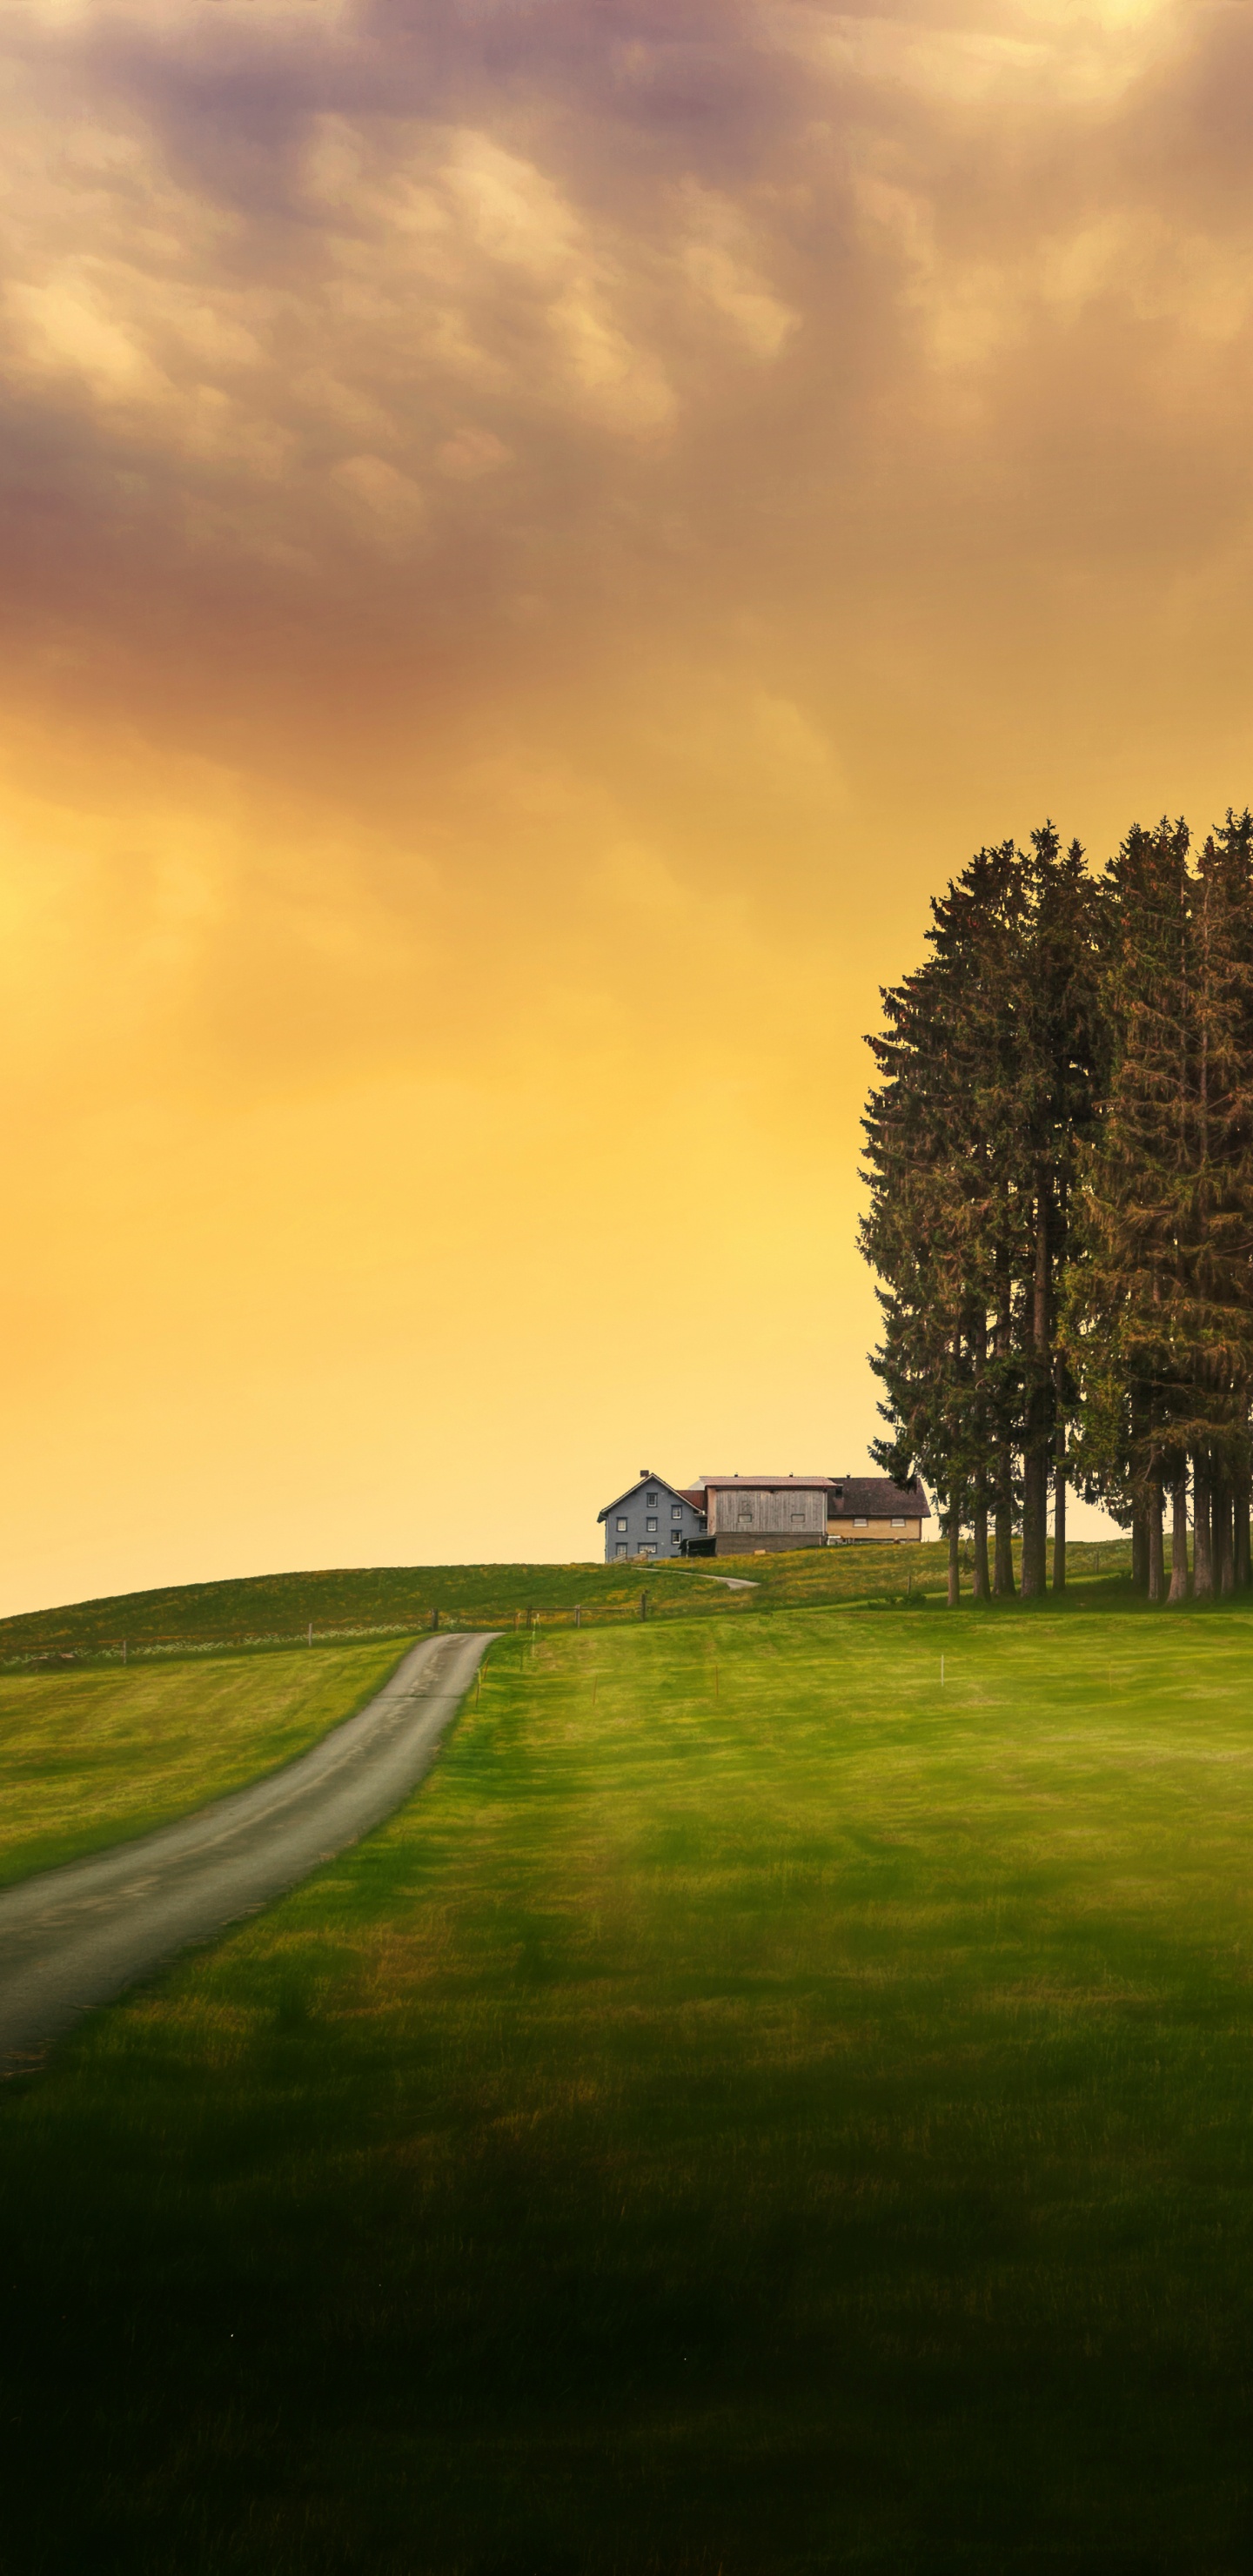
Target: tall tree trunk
<point>1220,1510</point>
<point>954,1556</point>
<point>1035,1465</point>
<point>1157,1556</point>
<point>1140,1546</point>
<point>1202,1556</point>
<point>1003,1569</point>
<point>1179,1540</point>
<point>1059,1425</point>
<point>1059,1516</point>
<point>1243,1567</point>
<point>1035,1472</point>
<point>981,1585</point>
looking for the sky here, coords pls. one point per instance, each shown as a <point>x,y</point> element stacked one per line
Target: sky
<point>535,535</point>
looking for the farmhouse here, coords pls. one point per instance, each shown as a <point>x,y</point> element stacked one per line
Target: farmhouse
<point>756,1515</point>
<point>652,1518</point>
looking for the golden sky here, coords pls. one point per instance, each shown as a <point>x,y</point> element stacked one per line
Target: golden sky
<point>536,534</point>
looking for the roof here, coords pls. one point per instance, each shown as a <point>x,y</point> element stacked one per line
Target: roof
<point>769,1484</point>
<point>638,1486</point>
<point>878,1497</point>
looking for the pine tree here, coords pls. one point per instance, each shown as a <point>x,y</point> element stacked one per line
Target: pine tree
<point>987,1068</point>
<point>913,1235</point>
<point>1122,1307</point>
<point>1060,1153</point>
<point>1059,1069</point>
<point>1216,1289</point>
<point>1161,1307</point>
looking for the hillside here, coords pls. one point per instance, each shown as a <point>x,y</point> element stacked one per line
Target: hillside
<point>273,1608</point>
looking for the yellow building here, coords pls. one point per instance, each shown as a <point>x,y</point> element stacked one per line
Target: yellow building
<point>866,1507</point>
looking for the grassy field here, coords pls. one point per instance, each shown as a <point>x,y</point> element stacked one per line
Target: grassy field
<point>280,1607</point>
<point>88,1758</point>
<point>760,2108</point>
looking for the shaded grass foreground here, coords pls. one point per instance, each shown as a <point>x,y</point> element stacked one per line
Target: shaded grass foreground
<point>756,2110</point>
<point>88,1759</point>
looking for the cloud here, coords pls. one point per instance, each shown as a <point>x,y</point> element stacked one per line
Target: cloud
<point>393,507</point>
<point>604,327</point>
<point>472,452</point>
<point>530,539</point>
<point>718,259</point>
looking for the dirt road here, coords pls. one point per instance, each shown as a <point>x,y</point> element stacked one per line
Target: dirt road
<point>77,1936</point>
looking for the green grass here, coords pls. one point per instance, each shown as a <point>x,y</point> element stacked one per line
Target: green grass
<point>88,1758</point>
<point>265,1608</point>
<point>755,2110</point>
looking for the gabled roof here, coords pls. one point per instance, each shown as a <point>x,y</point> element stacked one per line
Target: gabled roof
<point>767,1484</point>
<point>878,1497</point>
<point>637,1488</point>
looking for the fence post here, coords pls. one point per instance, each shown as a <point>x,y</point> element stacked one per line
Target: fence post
<point>578,1614</point>
<point>643,1605</point>
<point>434,1621</point>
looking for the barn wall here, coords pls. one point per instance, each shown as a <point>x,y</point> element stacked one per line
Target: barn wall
<point>763,1542</point>
<point>758,1511</point>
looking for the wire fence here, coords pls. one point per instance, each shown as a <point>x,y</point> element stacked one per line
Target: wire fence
<point>881,1586</point>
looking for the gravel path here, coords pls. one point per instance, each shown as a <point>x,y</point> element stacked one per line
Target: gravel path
<point>77,1936</point>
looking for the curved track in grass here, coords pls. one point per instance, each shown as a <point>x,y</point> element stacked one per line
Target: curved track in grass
<point>77,1936</point>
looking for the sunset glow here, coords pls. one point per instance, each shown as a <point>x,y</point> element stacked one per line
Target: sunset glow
<point>536,537</point>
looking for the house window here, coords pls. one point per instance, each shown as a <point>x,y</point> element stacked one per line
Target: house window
<point>649,1549</point>
<point>620,1550</point>
<point>745,1515</point>
<point>622,1524</point>
<point>651,1525</point>
<point>860,1521</point>
<point>676,1511</point>
<point>651,1500</point>
<point>898,1520</point>
<point>800,1516</point>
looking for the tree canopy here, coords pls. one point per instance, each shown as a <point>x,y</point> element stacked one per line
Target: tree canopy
<point>1059,1147</point>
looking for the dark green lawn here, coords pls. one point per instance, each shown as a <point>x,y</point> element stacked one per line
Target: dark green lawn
<point>755,2109</point>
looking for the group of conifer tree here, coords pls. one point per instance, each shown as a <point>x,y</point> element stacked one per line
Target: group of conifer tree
<point>1060,1149</point>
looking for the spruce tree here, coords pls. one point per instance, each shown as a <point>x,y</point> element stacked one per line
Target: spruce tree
<point>1059,1061</point>
<point>1060,1154</point>
<point>1123,1314</point>
<point>1161,1307</point>
<point>1216,1299</point>
<point>987,1078</point>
